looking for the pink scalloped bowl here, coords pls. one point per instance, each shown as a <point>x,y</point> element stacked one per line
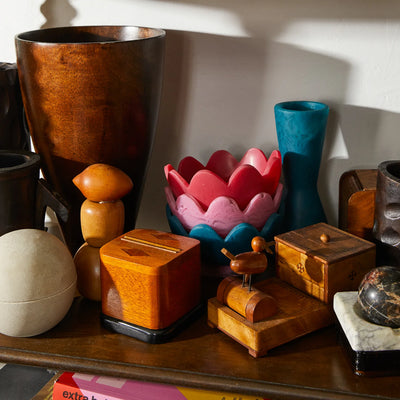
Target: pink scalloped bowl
<point>223,214</point>
<point>225,176</point>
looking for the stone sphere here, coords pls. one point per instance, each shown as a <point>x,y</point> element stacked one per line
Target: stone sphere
<point>379,296</point>
<point>37,282</point>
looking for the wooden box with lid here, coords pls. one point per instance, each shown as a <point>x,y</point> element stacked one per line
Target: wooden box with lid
<point>150,280</point>
<point>322,260</point>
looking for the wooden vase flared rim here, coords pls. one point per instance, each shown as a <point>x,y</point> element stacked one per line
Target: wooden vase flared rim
<point>91,34</point>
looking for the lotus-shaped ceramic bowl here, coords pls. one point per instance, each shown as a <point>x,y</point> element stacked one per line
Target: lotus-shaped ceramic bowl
<point>237,241</point>
<point>226,202</point>
<point>225,176</point>
<point>223,213</point>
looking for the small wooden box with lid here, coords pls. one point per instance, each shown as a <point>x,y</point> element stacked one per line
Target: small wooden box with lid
<point>322,260</point>
<point>150,283</point>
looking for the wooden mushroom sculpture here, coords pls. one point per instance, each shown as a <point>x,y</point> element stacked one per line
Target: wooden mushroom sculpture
<point>102,219</point>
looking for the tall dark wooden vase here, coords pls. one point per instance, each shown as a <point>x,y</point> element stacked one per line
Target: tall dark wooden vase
<point>91,95</point>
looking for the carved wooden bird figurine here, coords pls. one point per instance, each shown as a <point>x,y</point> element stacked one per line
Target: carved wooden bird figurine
<point>252,262</point>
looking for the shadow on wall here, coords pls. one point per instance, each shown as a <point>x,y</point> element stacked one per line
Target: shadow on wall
<point>219,92</point>
<point>297,74</point>
<point>247,77</point>
<point>290,73</point>
<point>57,10</point>
<point>369,138</point>
<point>274,12</point>
<point>209,69</point>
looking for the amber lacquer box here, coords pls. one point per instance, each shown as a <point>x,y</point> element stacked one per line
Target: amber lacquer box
<point>150,283</point>
<point>357,191</point>
<point>321,260</point>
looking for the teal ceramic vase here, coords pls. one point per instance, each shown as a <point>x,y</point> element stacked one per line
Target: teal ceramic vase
<point>300,128</point>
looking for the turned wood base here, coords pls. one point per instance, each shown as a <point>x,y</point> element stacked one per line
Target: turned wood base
<point>297,315</point>
<point>253,304</point>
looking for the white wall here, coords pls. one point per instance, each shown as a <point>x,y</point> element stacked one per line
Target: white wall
<point>229,62</point>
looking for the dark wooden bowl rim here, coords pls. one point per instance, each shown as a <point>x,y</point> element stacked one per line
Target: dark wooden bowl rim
<point>17,160</point>
<point>390,169</point>
<point>90,34</point>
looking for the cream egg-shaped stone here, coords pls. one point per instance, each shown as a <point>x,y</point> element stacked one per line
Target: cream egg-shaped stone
<point>37,282</point>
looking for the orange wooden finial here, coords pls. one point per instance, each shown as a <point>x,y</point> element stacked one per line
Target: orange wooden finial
<point>259,244</point>
<point>325,238</point>
<point>102,182</point>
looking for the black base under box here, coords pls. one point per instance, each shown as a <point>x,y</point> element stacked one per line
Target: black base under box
<point>153,336</point>
<point>371,363</point>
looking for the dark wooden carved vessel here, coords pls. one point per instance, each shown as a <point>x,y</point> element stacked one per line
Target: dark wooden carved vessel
<point>386,228</point>
<point>91,95</point>
<point>24,197</point>
<point>13,135</point>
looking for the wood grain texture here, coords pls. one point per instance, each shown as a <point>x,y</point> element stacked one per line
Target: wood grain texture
<point>91,95</point>
<point>254,305</point>
<point>102,182</point>
<point>146,283</point>
<point>357,191</point>
<point>87,263</point>
<point>313,367</point>
<point>248,263</point>
<point>102,222</point>
<point>297,315</point>
<point>322,269</point>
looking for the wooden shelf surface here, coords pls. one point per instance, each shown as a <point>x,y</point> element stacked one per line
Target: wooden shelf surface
<point>312,367</point>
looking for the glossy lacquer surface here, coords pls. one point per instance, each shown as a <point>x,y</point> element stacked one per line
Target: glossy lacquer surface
<point>300,129</point>
<point>313,367</point>
<point>91,95</point>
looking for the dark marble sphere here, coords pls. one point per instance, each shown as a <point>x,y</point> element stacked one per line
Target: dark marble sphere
<point>379,296</point>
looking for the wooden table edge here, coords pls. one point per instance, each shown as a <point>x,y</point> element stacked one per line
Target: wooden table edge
<point>202,381</point>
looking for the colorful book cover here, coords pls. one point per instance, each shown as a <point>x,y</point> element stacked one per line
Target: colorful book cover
<point>76,386</point>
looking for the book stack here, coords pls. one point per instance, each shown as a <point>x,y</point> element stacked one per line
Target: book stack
<point>77,386</point>
<point>22,382</point>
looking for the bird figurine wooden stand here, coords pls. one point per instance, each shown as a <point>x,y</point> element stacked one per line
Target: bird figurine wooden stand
<point>102,220</point>
<point>238,294</point>
<point>267,314</point>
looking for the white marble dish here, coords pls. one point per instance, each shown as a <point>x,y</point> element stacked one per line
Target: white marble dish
<point>360,333</point>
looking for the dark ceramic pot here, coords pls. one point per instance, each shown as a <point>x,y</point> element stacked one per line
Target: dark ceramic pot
<point>386,230</point>
<point>91,95</point>
<point>13,135</point>
<point>23,197</point>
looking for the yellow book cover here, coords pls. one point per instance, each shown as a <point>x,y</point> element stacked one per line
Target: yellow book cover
<point>197,394</point>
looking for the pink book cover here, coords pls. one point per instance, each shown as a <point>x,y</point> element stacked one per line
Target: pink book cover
<point>76,386</point>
